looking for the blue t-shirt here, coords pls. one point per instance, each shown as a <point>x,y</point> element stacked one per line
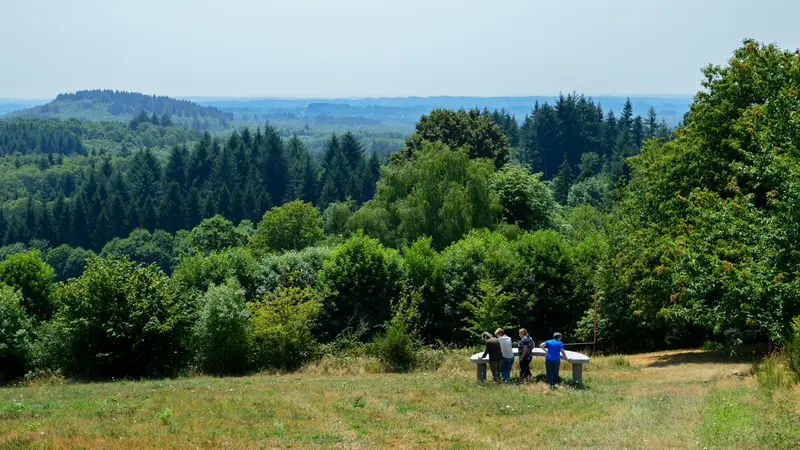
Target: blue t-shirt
<point>554,347</point>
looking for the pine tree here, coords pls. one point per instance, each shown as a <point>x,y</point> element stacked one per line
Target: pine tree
<point>626,119</point>
<point>562,182</point>
<point>172,211</point>
<point>275,164</point>
<point>352,149</point>
<point>637,132</point>
<point>296,153</point>
<point>175,171</point>
<point>651,125</point>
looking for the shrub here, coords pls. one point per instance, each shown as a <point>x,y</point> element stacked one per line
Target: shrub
<point>221,331</point>
<point>123,320</point>
<point>51,347</point>
<point>398,346</point>
<point>525,199</point>
<point>34,278</point>
<point>292,268</point>
<point>198,272</point>
<point>282,325</point>
<point>293,226</point>
<point>362,278</point>
<point>488,309</point>
<point>792,348</point>
<point>14,333</point>
<point>336,217</point>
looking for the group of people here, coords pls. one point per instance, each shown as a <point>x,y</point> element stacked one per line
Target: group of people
<point>501,355</point>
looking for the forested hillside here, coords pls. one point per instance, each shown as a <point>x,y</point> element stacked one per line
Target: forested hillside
<point>108,105</point>
<point>681,237</point>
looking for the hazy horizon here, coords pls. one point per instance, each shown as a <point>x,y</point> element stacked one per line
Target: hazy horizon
<point>364,49</point>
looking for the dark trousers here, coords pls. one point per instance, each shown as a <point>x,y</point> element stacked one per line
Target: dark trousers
<point>524,368</point>
<point>552,371</point>
<point>495,367</point>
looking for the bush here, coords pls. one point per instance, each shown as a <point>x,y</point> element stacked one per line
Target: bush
<point>292,268</point>
<point>398,346</point>
<point>362,278</point>
<point>34,278</point>
<point>792,348</point>
<point>198,272</point>
<point>525,199</point>
<point>124,320</point>
<point>14,333</point>
<point>293,226</point>
<point>214,234</point>
<point>281,328</point>
<point>145,248</point>
<point>221,331</point>
<point>51,347</point>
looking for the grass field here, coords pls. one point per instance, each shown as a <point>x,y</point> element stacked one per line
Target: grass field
<point>683,399</point>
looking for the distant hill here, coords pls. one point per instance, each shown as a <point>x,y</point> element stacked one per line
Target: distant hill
<point>120,106</point>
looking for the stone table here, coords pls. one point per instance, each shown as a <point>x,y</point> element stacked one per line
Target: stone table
<point>576,359</point>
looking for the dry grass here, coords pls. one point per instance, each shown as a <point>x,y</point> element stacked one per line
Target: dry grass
<point>663,400</point>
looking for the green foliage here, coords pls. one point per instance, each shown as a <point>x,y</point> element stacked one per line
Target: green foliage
<point>197,273</point>
<point>792,348</point>
<point>68,262</point>
<point>220,334</point>
<point>51,347</point>
<point>525,200</point>
<point>336,216</point>
<point>426,278</point>
<point>144,247</point>
<point>595,191</point>
<point>472,130</point>
<point>362,279</point>
<point>15,328</point>
<point>282,325</point>
<point>215,234</point>
<point>34,279</point>
<point>398,346</point>
<point>293,226</point>
<point>124,320</point>
<point>440,193</point>
<point>292,269</point>
<point>488,308</point>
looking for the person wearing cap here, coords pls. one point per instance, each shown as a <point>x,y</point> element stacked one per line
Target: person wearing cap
<point>552,362</point>
<point>495,354</point>
<point>508,354</point>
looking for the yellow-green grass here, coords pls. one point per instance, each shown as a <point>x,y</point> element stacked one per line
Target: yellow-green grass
<point>688,399</point>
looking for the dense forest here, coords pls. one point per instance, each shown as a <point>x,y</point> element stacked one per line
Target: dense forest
<point>218,252</point>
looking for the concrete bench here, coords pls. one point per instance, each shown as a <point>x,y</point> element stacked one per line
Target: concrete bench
<point>576,359</point>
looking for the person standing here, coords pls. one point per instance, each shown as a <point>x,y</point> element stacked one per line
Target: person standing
<point>495,355</point>
<point>508,354</point>
<point>525,354</point>
<point>552,362</point>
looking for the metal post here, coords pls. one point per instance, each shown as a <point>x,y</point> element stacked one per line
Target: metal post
<point>594,346</point>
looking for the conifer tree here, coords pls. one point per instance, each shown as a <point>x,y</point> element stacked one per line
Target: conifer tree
<point>562,182</point>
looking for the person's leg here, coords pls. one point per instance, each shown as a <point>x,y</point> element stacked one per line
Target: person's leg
<point>495,365</point>
<point>556,369</point>
<point>549,370</point>
<point>505,368</point>
<point>524,368</point>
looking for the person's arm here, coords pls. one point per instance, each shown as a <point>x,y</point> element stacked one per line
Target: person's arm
<point>564,354</point>
<point>485,352</point>
<point>543,345</point>
<point>524,351</point>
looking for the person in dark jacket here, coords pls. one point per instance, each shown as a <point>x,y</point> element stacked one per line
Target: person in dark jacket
<point>495,355</point>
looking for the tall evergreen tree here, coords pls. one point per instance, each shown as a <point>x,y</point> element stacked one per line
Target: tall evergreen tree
<point>562,182</point>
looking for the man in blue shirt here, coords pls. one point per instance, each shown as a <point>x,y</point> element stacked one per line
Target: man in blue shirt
<point>552,362</point>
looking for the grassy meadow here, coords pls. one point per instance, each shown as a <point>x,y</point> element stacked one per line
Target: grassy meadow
<point>678,399</point>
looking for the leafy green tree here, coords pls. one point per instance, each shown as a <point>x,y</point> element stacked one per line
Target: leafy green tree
<point>221,332</point>
<point>525,200</point>
<point>336,217</point>
<point>214,234</point>
<point>68,262</point>
<point>15,327</point>
<point>363,278</point>
<point>124,320</point>
<point>440,193</point>
<point>282,326</point>
<point>34,279</point>
<point>197,273</point>
<point>293,226</point>
<point>471,129</point>
<point>292,269</point>
<point>488,308</point>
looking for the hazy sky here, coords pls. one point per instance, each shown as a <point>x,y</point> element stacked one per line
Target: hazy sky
<point>348,48</point>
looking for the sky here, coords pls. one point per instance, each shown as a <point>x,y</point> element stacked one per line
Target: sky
<point>369,48</point>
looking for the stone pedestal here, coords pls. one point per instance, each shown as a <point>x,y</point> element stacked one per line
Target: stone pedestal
<point>481,373</point>
<point>577,374</point>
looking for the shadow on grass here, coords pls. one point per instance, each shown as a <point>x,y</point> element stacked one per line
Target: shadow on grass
<point>742,356</point>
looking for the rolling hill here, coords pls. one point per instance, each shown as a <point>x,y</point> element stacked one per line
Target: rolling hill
<point>120,106</point>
